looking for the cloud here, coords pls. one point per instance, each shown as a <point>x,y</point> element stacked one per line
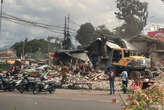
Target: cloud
<point>53,12</point>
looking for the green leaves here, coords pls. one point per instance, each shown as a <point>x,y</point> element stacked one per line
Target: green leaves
<point>88,33</point>
<point>140,99</point>
<point>134,13</point>
<point>33,46</point>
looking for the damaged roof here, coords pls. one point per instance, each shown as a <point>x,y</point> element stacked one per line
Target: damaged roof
<point>128,45</point>
<point>112,45</point>
<point>79,54</point>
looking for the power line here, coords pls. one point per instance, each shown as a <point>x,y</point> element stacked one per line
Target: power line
<point>75,22</point>
<point>30,23</point>
<point>34,25</point>
<point>37,23</point>
<point>11,16</point>
<point>52,28</point>
<point>20,23</point>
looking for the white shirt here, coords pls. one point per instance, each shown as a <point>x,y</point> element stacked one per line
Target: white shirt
<point>124,75</point>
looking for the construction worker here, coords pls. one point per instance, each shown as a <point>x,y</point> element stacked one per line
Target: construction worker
<point>124,77</point>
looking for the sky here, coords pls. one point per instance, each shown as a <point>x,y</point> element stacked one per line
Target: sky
<point>52,12</point>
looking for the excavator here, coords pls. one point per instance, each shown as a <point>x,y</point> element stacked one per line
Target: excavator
<point>124,58</point>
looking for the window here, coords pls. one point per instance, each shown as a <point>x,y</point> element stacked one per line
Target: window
<point>116,56</point>
<point>126,53</point>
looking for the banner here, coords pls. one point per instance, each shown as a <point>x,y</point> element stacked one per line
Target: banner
<point>157,35</point>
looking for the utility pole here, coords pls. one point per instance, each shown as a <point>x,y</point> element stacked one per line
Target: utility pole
<point>23,49</point>
<point>68,26</point>
<point>1,17</point>
<point>67,41</point>
<point>65,33</point>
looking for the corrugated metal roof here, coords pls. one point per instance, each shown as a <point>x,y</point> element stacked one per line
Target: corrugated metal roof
<point>129,46</point>
<point>82,56</point>
<point>112,45</point>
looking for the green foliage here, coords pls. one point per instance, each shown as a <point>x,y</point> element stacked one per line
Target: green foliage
<point>102,30</point>
<point>143,99</point>
<point>87,33</point>
<point>134,13</point>
<point>4,66</point>
<point>123,86</point>
<point>33,46</point>
<point>162,1</point>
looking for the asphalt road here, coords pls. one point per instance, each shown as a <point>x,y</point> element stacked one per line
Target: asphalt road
<point>61,100</point>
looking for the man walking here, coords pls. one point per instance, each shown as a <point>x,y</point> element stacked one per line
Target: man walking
<point>124,78</point>
<point>111,74</point>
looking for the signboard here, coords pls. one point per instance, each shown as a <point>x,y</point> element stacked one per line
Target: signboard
<point>157,35</point>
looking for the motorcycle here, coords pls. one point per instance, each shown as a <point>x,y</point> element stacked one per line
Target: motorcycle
<point>10,84</point>
<point>26,84</point>
<point>44,86</point>
<point>2,86</point>
<point>7,83</point>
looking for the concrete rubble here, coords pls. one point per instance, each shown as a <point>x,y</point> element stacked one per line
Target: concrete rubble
<point>82,75</point>
<point>96,80</point>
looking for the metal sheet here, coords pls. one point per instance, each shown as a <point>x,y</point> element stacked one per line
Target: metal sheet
<point>129,46</point>
<point>112,45</point>
<point>82,56</point>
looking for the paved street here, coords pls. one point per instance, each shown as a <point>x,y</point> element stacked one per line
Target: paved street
<point>61,100</point>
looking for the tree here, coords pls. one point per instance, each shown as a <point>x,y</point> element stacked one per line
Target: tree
<point>18,47</point>
<point>86,34</point>
<point>57,43</point>
<point>32,46</point>
<point>49,38</point>
<point>162,1</point>
<point>134,13</point>
<point>102,30</point>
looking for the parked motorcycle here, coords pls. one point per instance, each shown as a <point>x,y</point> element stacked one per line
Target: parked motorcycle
<point>44,86</point>
<point>10,83</point>
<point>2,85</point>
<point>7,83</point>
<point>26,84</point>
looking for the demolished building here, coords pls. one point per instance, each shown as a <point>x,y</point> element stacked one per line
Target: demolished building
<point>151,45</point>
<point>64,57</point>
<point>106,53</point>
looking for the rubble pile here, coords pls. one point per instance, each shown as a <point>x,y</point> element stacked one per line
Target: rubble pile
<point>97,76</point>
<point>90,81</point>
<point>93,80</point>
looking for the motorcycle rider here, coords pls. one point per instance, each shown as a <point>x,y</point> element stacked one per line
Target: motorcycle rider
<point>14,69</point>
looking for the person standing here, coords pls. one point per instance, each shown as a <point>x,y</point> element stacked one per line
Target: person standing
<point>124,77</point>
<point>111,74</point>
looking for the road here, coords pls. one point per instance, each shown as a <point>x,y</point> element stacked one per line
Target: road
<point>61,100</point>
